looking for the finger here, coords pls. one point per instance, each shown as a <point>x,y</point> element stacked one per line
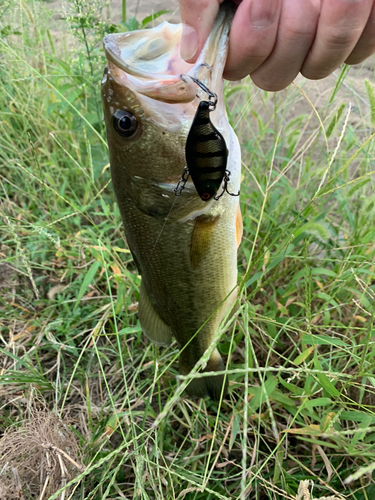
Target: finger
<point>366,44</point>
<point>340,26</point>
<point>197,21</point>
<point>297,28</point>
<point>252,36</point>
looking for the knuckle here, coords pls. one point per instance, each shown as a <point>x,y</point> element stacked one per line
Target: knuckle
<point>295,29</point>
<point>338,38</point>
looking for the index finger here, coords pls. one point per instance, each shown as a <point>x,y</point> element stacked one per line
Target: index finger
<point>198,18</point>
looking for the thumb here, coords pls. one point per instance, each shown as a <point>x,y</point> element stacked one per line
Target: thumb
<point>198,18</point>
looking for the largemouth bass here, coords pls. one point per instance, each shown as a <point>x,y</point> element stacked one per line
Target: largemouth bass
<point>185,248</point>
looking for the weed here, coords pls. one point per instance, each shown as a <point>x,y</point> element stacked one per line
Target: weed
<point>300,351</point>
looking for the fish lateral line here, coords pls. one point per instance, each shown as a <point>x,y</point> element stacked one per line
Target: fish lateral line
<point>206,152</point>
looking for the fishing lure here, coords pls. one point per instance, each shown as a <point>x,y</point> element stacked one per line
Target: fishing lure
<point>205,151</point>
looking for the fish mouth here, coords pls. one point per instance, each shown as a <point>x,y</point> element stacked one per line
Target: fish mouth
<point>150,63</point>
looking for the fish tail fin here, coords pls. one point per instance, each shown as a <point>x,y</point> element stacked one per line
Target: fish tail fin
<point>212,386</point>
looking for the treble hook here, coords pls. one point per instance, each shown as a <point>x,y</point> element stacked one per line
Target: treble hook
<point>198,67</point>
<point>225,187</point>
<point>212,97</point>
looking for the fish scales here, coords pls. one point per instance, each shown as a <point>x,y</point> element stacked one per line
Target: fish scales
<point>185,249</point>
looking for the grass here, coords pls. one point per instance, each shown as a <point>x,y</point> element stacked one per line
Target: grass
<point>301,349</point>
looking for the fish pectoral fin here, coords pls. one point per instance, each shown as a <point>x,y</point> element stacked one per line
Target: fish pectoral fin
<point>239,226</point>
<point>212,386</point>
<point>152,324</point>
<point>201,238</point>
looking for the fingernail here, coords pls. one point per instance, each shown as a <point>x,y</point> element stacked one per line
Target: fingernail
<point>263,13</point>
<point>189,42</point>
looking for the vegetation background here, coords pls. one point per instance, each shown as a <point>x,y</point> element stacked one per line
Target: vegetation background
<point>88,407</point>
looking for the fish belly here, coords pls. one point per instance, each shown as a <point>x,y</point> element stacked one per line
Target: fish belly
<point>189,275</point>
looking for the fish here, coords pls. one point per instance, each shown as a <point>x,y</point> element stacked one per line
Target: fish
<point>184,247</point>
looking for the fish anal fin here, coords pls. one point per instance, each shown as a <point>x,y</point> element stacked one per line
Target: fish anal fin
<point>153,326</point>
<point>212,386</point>
<point>201,238</point>
<point>239,226</point>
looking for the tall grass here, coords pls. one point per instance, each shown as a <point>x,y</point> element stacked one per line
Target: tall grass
<point>301,349</point>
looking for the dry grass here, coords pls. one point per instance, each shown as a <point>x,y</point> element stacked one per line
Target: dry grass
<point>38,456</point>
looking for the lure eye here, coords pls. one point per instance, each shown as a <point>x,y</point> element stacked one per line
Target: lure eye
<point>125,123</point>
<point>206,190</point>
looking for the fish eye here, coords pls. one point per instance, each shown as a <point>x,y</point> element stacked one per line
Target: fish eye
<point>125,123</point>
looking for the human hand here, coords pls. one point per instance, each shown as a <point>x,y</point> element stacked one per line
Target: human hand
<point>274,40</point>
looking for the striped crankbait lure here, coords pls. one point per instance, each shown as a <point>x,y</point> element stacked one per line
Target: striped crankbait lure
<point>205,151</point>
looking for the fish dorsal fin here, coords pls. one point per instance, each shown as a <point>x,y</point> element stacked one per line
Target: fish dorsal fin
<point>153,326</point>
<point>201,238</point>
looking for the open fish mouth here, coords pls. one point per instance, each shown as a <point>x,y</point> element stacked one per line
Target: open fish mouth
<point>148,82</point>
<point>150,63</point>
